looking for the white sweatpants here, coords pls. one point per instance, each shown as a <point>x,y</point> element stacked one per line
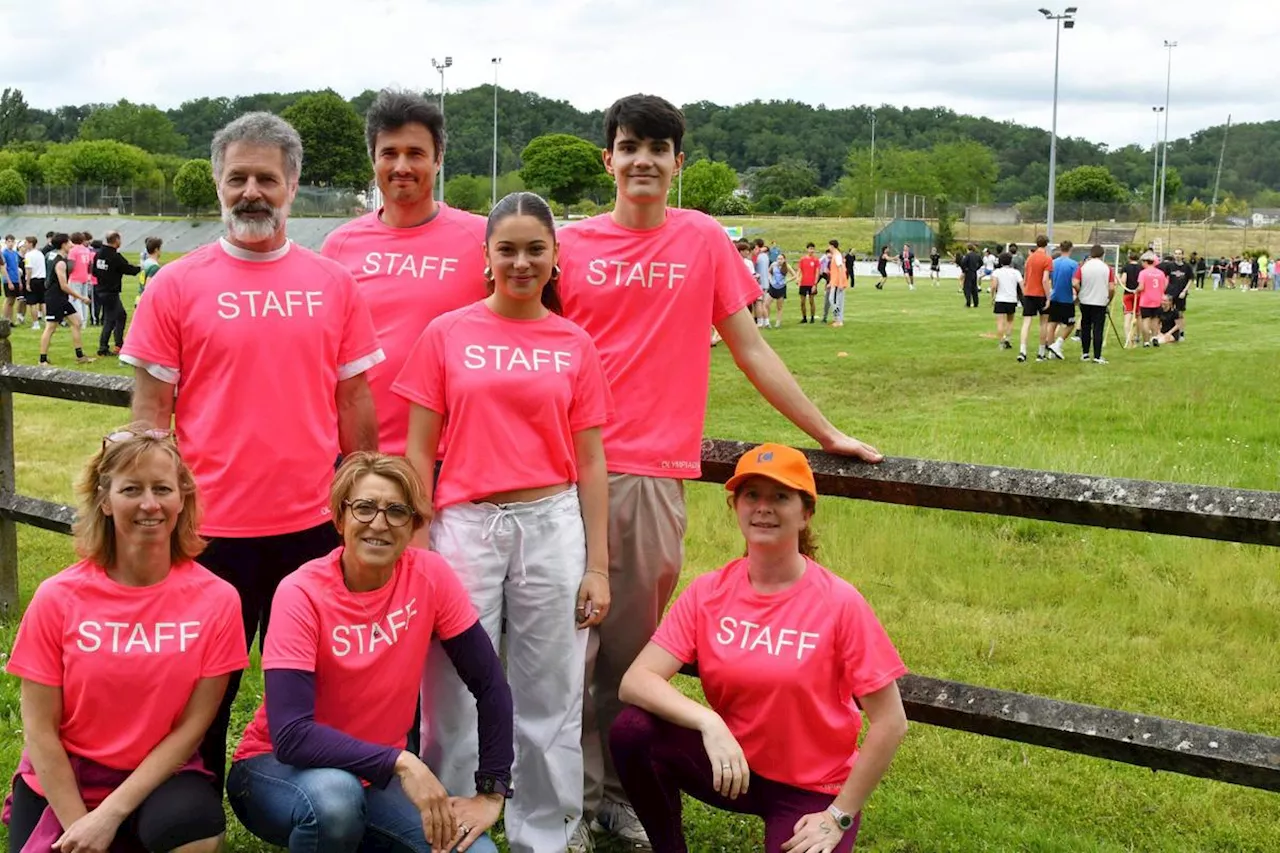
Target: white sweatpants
<point>525,562</point>
<point>82,308</point>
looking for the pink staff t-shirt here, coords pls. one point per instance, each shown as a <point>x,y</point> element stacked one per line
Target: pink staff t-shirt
<point>512,392</point>
<point>408,277</point>
<point>367,649</point>
<point>256,349</point>
<point>782,670</point>
<point>1152,281</point>
<point>127,658</point>
<point>81,258</point>
<point>647,298</point>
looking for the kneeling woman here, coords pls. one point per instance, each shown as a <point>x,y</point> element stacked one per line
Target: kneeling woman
<point>322,766</point>
<point>124,658</point>
<point>516,395</point>
<point>787,652</point>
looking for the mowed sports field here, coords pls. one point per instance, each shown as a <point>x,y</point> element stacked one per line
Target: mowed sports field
<point>1156,625</point>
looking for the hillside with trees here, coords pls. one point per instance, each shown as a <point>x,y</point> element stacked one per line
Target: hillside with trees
<point>788,156</point>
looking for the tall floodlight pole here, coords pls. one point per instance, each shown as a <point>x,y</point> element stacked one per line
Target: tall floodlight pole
<point>1155,166</point>
<point>1217,180</point>
<point>875,212</point>
<point>1060,22</point>
<point>1164,167</point>
<point>441,66</point>
<point>493,195</point>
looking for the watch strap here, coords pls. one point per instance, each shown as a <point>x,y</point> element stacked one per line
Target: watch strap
<point>843,819</point>
<point>493,785</point>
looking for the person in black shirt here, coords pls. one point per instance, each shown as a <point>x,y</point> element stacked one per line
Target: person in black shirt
<point>110,267</point>
<point>1169,317</point>
<point>1201,267</point>
<point>1218,272</point>
<point>1181,276</point>
<point>883,268</point>
<point>1129,279</point>
<point>57,301</point>
<point>969,266</point>
<point>935,266</point>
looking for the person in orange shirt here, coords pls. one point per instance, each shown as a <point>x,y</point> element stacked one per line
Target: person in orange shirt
<point>1035,297</point>
<point>839,283</point>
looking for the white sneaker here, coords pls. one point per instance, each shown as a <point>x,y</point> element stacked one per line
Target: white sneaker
<point>581,840</point>
<point>1100,361</point>
<point>620,821</point>
<point>1084,357</point>
<point>1056,349</point>
<point>36,325</point>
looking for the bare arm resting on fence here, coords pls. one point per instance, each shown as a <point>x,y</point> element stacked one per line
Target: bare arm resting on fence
<point>774,381</point>
<point>357,422</point>
<point>152,399</point>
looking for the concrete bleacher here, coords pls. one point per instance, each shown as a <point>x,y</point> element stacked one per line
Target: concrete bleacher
<point>179,235</point>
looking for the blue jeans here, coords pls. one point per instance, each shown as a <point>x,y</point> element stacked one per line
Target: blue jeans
<point>326,810</point>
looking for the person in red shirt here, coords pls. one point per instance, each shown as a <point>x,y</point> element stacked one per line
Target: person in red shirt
<point>124,657</point>
<point>414,258</point>
<point>808,283</point>
<point>516,395</point>
<point>1035,298</point>
<point>323,766</point>
<point>256,349</point>
<point>781,645</point>
<point>645,281</point>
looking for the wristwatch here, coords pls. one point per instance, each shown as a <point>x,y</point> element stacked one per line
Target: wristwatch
<point>844,820</point>
<point>493,785</point>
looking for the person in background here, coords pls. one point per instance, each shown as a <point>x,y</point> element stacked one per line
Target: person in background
<point>516,395</point>
<point>762,279</point>
<point>971,266</point>
<point>808,265</point>
<point>59,294</point>
<point>1151,282</point>
<point>35,264</point>
<point>1095,284</point>
<point>1201,267</point>
<point>150,264</point>
<point>1129,279</point>
<point>1006,282</point>
<point>1062,298</point>
<point>1019,261</point>
<point>824,278</point>
<point>935,267</point>
<point>1035,286</point>
<point>95,307</point>
<point>907,260</point>
<point>124,657</point>
<point>323,766</point>
<point>110,268</point>
<point>813,679</point>
<point>11,277</point>
<point>80,258</point>
<point>839,283</point>
<point>882,267</point>
<point>779,274</point>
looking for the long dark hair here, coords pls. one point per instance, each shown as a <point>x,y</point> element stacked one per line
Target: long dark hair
<point>528,204</point>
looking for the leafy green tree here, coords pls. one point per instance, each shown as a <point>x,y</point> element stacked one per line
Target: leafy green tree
<point>565,167</point>
<point>13,116</point>
<point>467,192</point>
<point>25,162</point>
<point>786,180</point>
<point>946,231</point>
<point>334,152</point>
<point>193,186</point>
<point>965,169</point>
<point>731,205</point>
<point>1091,183</point>
<point>705,183</point>
<point>103,161</point>
<point>13,190</point>
<point>137,124</point>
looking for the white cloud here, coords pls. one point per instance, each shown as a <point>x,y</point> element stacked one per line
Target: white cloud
<point>987,57</point>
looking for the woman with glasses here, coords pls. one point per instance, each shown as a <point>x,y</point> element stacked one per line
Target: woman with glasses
<point>323,765</point>
<point>124,657</point>
<point>516,395</point>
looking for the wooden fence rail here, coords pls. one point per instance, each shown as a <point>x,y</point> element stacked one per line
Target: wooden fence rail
<point>1205,512</point>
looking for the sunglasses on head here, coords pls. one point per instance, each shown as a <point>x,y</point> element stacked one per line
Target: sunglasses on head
<point>125,435</point>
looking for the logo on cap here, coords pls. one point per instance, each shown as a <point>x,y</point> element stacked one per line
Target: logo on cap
<point>767,456</point>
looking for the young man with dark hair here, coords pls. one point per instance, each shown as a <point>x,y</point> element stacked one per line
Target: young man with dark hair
<point>11,277</point>
<point>808,265</point>
<point>1181,276</point>
<point>1034,297</point>
<point>907,258</point>
<point>415,258</point>
<point>1062,298</point>
<point>645,281</point>
<point>150,264</point>
<point>1129,279</point>
<point>1005,284</point>
<point>935,266</point>
<point>59,294</point>
<point>35,264</point>
<point>110,267</point>
<point>1095,283</point>
<point>970,264</point>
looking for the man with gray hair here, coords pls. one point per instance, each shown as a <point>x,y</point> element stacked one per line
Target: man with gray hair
<point>265,345</point>
<point>414,258</point>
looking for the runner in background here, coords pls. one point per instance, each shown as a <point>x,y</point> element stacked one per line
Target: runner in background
<point>808,265</point>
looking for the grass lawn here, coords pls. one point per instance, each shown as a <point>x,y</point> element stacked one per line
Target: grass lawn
<point>1157,625</point>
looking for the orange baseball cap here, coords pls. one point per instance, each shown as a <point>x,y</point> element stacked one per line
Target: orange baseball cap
<point>779,463</point>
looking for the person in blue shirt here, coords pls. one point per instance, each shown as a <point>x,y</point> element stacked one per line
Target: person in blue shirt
<point>11,278</point>
<point>1062,299</point>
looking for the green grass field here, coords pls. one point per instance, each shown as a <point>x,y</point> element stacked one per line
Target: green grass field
<point>1156,625</point>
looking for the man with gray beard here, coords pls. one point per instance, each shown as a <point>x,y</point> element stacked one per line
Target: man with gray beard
<point>265,345</point>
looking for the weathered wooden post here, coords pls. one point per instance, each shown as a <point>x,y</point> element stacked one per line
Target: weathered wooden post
<point>8,527</point>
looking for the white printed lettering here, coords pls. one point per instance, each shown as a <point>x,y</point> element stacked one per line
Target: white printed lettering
<point>288,303</point>
<point>727,624</point>
<point>136,637</point>
<point>89,635</point>
<point>506,358</point>
<point>773,641</point>
<point>397,624</point>
<point>628,273</point>
<point>400,264</point>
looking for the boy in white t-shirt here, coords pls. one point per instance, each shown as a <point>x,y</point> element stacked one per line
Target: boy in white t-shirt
<point>1006,285</point>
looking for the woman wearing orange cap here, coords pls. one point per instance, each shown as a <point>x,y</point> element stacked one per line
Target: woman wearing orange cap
<point>787,652</point>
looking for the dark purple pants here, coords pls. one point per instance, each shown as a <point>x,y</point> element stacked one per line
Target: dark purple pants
<point>657,760</point>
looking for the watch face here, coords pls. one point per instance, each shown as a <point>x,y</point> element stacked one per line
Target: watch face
<point>845,821</point>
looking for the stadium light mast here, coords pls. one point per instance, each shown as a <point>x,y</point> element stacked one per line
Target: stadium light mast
<point>1164,167</point>
<point>1155,168</point>
<point>493,195</point>
<point>1063,21</point>
<point>441,66</point>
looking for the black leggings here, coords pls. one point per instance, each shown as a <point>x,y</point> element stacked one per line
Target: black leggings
<point>185,808</point>
<point>1093,328</point>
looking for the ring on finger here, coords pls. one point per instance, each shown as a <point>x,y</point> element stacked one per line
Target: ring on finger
<point>464,829</point>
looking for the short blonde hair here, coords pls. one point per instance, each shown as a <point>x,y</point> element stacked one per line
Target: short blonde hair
<point>395,468</point>
<point>95,531</point>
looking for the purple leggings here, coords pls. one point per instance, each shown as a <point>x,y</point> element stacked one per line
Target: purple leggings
<point>656,760</point>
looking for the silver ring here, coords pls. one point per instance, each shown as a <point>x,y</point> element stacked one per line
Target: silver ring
<point>464,829</point>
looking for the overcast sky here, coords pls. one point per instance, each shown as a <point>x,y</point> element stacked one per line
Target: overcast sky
<point>986,57</point>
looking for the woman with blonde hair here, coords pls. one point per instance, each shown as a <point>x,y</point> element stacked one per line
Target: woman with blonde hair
<point>124,657</point>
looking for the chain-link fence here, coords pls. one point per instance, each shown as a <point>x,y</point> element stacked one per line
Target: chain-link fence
<point>133,200</point>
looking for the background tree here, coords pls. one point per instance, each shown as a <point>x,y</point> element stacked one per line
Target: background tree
<point>705,183</point>
<point>946,223</point>
<point>137,124</point>
<point>467,192</point>
<point>332,141</point>
<point>13,190</point>
<point>102,161</point>
<point>193,186</point>
<point>1091,183</point>
<point>13,116</point>
<point>787,180</point>
<point>24,161</point>
<point>965,169</point>
<point>565,167</point>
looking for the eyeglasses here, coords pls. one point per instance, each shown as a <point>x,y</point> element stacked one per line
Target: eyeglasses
<point>397,515</point>
<point>125,435</point>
